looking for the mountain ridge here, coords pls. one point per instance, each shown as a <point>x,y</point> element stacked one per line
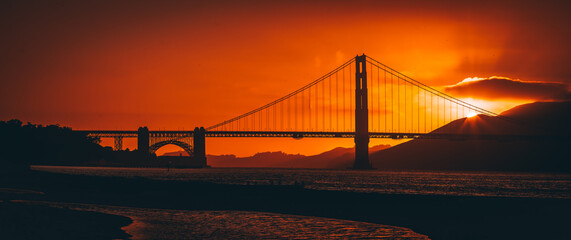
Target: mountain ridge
<point>336,158</point>
<point>489,155</point>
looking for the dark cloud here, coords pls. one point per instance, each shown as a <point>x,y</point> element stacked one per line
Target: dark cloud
<point>505,88</point>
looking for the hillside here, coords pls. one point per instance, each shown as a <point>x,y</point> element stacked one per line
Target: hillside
<point>551,117</point>
<point>263,159</point>
<point>529,156</point>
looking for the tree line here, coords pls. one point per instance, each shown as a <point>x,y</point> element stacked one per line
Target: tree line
<point>22,145</point>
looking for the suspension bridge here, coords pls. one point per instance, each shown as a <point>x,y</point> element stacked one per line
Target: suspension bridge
<point>360,99</point>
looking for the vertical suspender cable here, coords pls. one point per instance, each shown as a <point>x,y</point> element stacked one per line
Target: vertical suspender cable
<point>425,111</point>
<point>444,109</point>
<point>351,112</point>
<point>418,109</point>
<point>344,111</point>
<point>431,112</point>
<point>309,109</point>
<point>330,105</point>
<point>302,111</point>
<point>295,115</point>
<point>337,101</point>
<point>405,111</point>
<point>371,96</point>
<point>288,113</point>
<point>392,105</point>
<point>323,104</point>
<point>378,100</point>
<point>317,107</point>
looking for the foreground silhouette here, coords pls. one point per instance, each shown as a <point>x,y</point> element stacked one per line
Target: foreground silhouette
<point>27,144</point>
<point>439,217</point>
<point>541,118</point>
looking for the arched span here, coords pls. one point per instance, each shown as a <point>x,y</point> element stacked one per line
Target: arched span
<point>185,146</point>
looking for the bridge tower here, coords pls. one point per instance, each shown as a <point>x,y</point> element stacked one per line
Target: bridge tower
<point>200,145</point>
<point>361,115</point>
<point>143,140</point>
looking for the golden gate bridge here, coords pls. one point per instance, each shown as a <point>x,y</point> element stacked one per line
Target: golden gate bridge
<point>361,99</point>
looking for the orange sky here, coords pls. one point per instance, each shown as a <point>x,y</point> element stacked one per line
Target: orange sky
<point>173,65</point>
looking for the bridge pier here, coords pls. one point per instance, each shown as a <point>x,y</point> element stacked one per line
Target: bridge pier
<point>200,145</point>
<point>361,115</point>
<point>143,140</point>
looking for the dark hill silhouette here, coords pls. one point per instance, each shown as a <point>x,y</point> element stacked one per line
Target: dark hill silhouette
<point>552,117</point>
<point>263,159</point>
<point>334,158</point>
<point>517,155</point>
<point>483,124</point>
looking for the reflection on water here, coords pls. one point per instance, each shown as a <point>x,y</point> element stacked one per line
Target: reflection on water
<point>436,183</point>
<point>185,224</point>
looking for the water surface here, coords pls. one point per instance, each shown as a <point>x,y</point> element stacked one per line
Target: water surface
<point>528,185</point>
<point>151,223</point>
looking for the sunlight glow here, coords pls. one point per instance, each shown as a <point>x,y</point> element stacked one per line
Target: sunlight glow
<point>471,114</point>
<point>494,106</point>
<point>472,79</point>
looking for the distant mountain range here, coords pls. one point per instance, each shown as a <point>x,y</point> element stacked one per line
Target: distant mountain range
<point>337,158</point>
<point>435,154</point>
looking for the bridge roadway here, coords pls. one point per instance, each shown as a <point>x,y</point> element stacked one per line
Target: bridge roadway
<point>299,135</point>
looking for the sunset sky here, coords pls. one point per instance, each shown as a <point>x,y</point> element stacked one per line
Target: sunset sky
<point>180,64</point>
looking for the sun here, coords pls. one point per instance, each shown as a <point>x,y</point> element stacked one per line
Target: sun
<point>471,114</point>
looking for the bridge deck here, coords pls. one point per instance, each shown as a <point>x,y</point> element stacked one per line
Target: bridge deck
<point>298,135</point>
<point>395,135</point>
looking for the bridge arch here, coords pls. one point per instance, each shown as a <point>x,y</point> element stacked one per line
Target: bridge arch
<point>185,146</point>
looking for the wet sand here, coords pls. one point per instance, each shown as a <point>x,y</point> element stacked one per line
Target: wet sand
<point>31,221</point>
<point>438,217</point>
<point>151,223</point>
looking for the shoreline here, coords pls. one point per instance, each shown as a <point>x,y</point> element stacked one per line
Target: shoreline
<point>21,220</point>
<point>148,223</point>
<point>438,217</point>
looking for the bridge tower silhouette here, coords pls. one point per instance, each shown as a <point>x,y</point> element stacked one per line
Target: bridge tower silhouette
<point>361,115</point>
<point>143,139</point>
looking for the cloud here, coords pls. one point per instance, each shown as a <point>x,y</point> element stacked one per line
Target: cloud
<point>494,88</point>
